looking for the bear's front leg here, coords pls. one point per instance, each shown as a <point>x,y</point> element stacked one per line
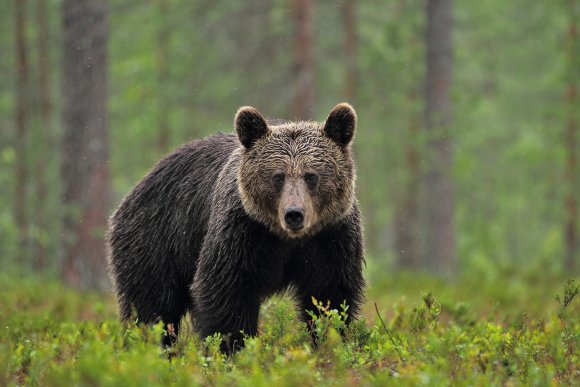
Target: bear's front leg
<point>331,271</point>
<point>221,306</point>
<point>330,298</point>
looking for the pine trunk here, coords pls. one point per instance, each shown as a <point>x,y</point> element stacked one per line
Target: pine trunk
<point>85,148</point>
<point>45,130</point>
<point>350,43</point>
<point>571,173</point>
<point>162,77</point>
<point>22,106</point>
<point>407,216</point>
<point>407,224</point>
<point>304,56</point>
<point>438,201</point>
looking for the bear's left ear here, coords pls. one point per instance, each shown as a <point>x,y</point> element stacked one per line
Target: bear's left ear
<point>341,124</point>
<point>250,126</point>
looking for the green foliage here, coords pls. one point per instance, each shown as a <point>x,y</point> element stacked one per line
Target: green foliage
<point>54,336</point>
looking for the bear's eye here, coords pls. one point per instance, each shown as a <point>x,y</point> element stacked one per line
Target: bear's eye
<point>311,179</point>
<point>278,179</point>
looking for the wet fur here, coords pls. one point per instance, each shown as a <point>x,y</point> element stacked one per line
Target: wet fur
<point>197,233</point>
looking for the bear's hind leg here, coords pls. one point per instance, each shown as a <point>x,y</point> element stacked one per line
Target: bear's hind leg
<point>171,310</point>
<point>160,303</point>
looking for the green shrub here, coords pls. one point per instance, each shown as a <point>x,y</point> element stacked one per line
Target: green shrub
<point>54,336</point>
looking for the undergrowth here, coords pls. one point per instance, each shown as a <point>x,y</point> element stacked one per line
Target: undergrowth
<point>54,336</point>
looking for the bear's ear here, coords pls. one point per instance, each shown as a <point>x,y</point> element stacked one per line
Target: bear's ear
<point>250,125</point>
<point>341,124</point>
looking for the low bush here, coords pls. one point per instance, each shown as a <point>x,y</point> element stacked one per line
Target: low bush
<point>51,335</point>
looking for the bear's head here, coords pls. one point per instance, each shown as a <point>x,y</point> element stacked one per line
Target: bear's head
<point>296,177</point>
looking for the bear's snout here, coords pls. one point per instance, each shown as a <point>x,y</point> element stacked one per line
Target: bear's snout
<point>294,218</point>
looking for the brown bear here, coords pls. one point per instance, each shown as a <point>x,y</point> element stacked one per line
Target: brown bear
<point>225,221</point>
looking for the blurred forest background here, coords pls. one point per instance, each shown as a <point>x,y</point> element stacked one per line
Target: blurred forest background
<point>467,145</point>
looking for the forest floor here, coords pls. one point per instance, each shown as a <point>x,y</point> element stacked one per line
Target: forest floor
<point>500,330</point>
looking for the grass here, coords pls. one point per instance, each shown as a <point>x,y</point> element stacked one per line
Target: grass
<point>415,330</point>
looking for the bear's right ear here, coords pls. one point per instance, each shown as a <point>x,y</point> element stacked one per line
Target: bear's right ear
<point>250,126</point>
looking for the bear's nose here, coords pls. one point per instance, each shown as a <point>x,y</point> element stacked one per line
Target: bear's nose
<point>294,217</point>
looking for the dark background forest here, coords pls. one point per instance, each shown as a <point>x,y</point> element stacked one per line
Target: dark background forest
<point>466,149</point>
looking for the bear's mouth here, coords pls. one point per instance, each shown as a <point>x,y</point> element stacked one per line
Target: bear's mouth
<point>296,232</point>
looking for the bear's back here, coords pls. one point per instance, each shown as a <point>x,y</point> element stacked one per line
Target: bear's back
<point>165,216</point>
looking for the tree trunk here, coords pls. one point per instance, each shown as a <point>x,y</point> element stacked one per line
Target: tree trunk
<point>85,144</point>
<point>571,173</point>
<point>407,223</point>
<point>22,105</point>
<point>162,77</point>
<point>45,132</point>
<point>304,56</point>
<point>407,216</point>
<point>350,43</point>
<point>439,254</point>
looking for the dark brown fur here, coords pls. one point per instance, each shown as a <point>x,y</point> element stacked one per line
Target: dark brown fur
<point>204,230</point>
